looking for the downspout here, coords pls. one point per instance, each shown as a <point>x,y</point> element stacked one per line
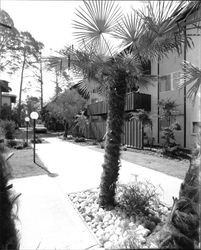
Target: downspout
<point>185,48</point>
<point>158,78</point>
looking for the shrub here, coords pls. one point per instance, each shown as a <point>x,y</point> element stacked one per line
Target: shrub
<point>11,143</point>
<point>80,139</point>
<point>8,128</point>
<point>135,198</point>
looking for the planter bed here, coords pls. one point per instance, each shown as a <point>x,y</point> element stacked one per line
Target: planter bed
<point>116,229</point>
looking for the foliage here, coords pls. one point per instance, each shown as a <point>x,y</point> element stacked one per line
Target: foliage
<point>81,122</point>
<point>51,120</point>
<point>29,50</point>
<point>11,143</point>
<point>167,109</point>
<point>6,112</point>
<point>31,104</point>
<point>8,128</point>
<point>135,198</point>
<point>191,76</point>
<point>65,107</point>
<point>9,238</point>
<point>80,139</point>
<point>182,227</point>
<point>167,112</point>
<point>142,116</point>
<point>10,41</point>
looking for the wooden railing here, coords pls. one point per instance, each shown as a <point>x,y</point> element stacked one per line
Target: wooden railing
<point>133,101</point>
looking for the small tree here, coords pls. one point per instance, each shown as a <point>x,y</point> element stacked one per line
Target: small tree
<point>81,122</point>
<point>65,107</point>
<point>167,113</point>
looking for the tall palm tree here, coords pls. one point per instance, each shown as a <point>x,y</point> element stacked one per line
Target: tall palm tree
<point>144,36</point>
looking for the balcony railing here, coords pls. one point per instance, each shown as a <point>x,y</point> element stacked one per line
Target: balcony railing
<point>133,101</point>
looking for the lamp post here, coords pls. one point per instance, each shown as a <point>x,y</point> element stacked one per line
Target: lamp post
<point>34,117</point>
<point>27,125</point>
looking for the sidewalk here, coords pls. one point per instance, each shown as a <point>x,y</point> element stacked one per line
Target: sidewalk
<point>47,220</point>
<point>79,168</point>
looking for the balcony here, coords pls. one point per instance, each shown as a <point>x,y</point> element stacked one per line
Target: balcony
<point>133,101</point>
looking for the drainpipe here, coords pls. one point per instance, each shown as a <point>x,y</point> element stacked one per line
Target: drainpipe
<point>0,101</point>
<point>185,48</point>
<point>158,73</point>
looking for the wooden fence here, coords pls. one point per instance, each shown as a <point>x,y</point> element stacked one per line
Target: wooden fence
<point>132,135</point>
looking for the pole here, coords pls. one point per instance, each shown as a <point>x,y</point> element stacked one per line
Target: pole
<point>27,132</point>
<point>34,137</point>
<point>185,48</point>
<point>158,99</point>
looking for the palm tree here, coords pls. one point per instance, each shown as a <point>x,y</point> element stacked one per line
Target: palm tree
<point>191,77</point>
<point>144,36</point>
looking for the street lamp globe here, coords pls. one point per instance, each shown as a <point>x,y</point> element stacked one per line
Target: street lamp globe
<point>34,115</point>
<point>27,119</point>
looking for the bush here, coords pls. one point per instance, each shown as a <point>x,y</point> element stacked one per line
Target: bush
<point>80,139</point>
<point>8,128</point>
<point>11,143</point>
<point>135,198</point>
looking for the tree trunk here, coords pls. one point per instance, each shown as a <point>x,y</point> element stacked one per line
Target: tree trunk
<point>41,85</point>
<point>20,93</point>
<point>182,229</point>
<point>8,233</point>
<point>111,163</point>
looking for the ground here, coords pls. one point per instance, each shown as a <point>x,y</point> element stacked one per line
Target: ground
<point>22,165</point>
<point>149,159</point>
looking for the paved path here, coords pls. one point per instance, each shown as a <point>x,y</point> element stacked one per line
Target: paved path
<point>79,168</point>
<point>48,220</point>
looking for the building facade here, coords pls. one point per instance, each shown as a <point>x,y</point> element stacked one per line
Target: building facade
<point>165,87</point>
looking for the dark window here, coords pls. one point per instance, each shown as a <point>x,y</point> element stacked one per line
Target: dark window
<point>196,127</point>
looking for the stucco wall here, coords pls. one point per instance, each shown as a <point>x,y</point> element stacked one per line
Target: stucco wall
<point>6,100</point>
<point>173,64</point>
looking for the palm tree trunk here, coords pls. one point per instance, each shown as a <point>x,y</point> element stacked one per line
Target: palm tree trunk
<point>182,228</point>
<point>111,163</point>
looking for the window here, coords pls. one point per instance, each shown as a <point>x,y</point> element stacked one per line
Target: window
<point>165,83</point>
<point>169,82</point>
<point>196,127</point>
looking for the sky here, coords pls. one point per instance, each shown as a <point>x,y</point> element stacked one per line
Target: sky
<point>50,22</point>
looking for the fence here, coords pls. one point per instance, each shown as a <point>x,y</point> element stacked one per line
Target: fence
<point>132,135</point>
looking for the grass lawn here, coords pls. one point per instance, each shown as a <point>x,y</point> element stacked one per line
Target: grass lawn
<point>149,159</point>
<point>22,165</point>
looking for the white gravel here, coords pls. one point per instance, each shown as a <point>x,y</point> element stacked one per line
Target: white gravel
<point>115,229</point>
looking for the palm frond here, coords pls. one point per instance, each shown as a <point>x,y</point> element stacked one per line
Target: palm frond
<point>164,34</point>
<point>130,29</point>
<point>191,76</point>
<point>94,20</point>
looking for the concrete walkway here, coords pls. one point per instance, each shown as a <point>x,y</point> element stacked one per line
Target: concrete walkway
<point>47,218</point>
<point>79,168</point>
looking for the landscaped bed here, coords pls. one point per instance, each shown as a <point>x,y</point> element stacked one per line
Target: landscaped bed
<point>134,223</point>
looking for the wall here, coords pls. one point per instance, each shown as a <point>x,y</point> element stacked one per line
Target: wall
<point>167,66</point>
<point>6,100</point>
<point>193,111</point>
